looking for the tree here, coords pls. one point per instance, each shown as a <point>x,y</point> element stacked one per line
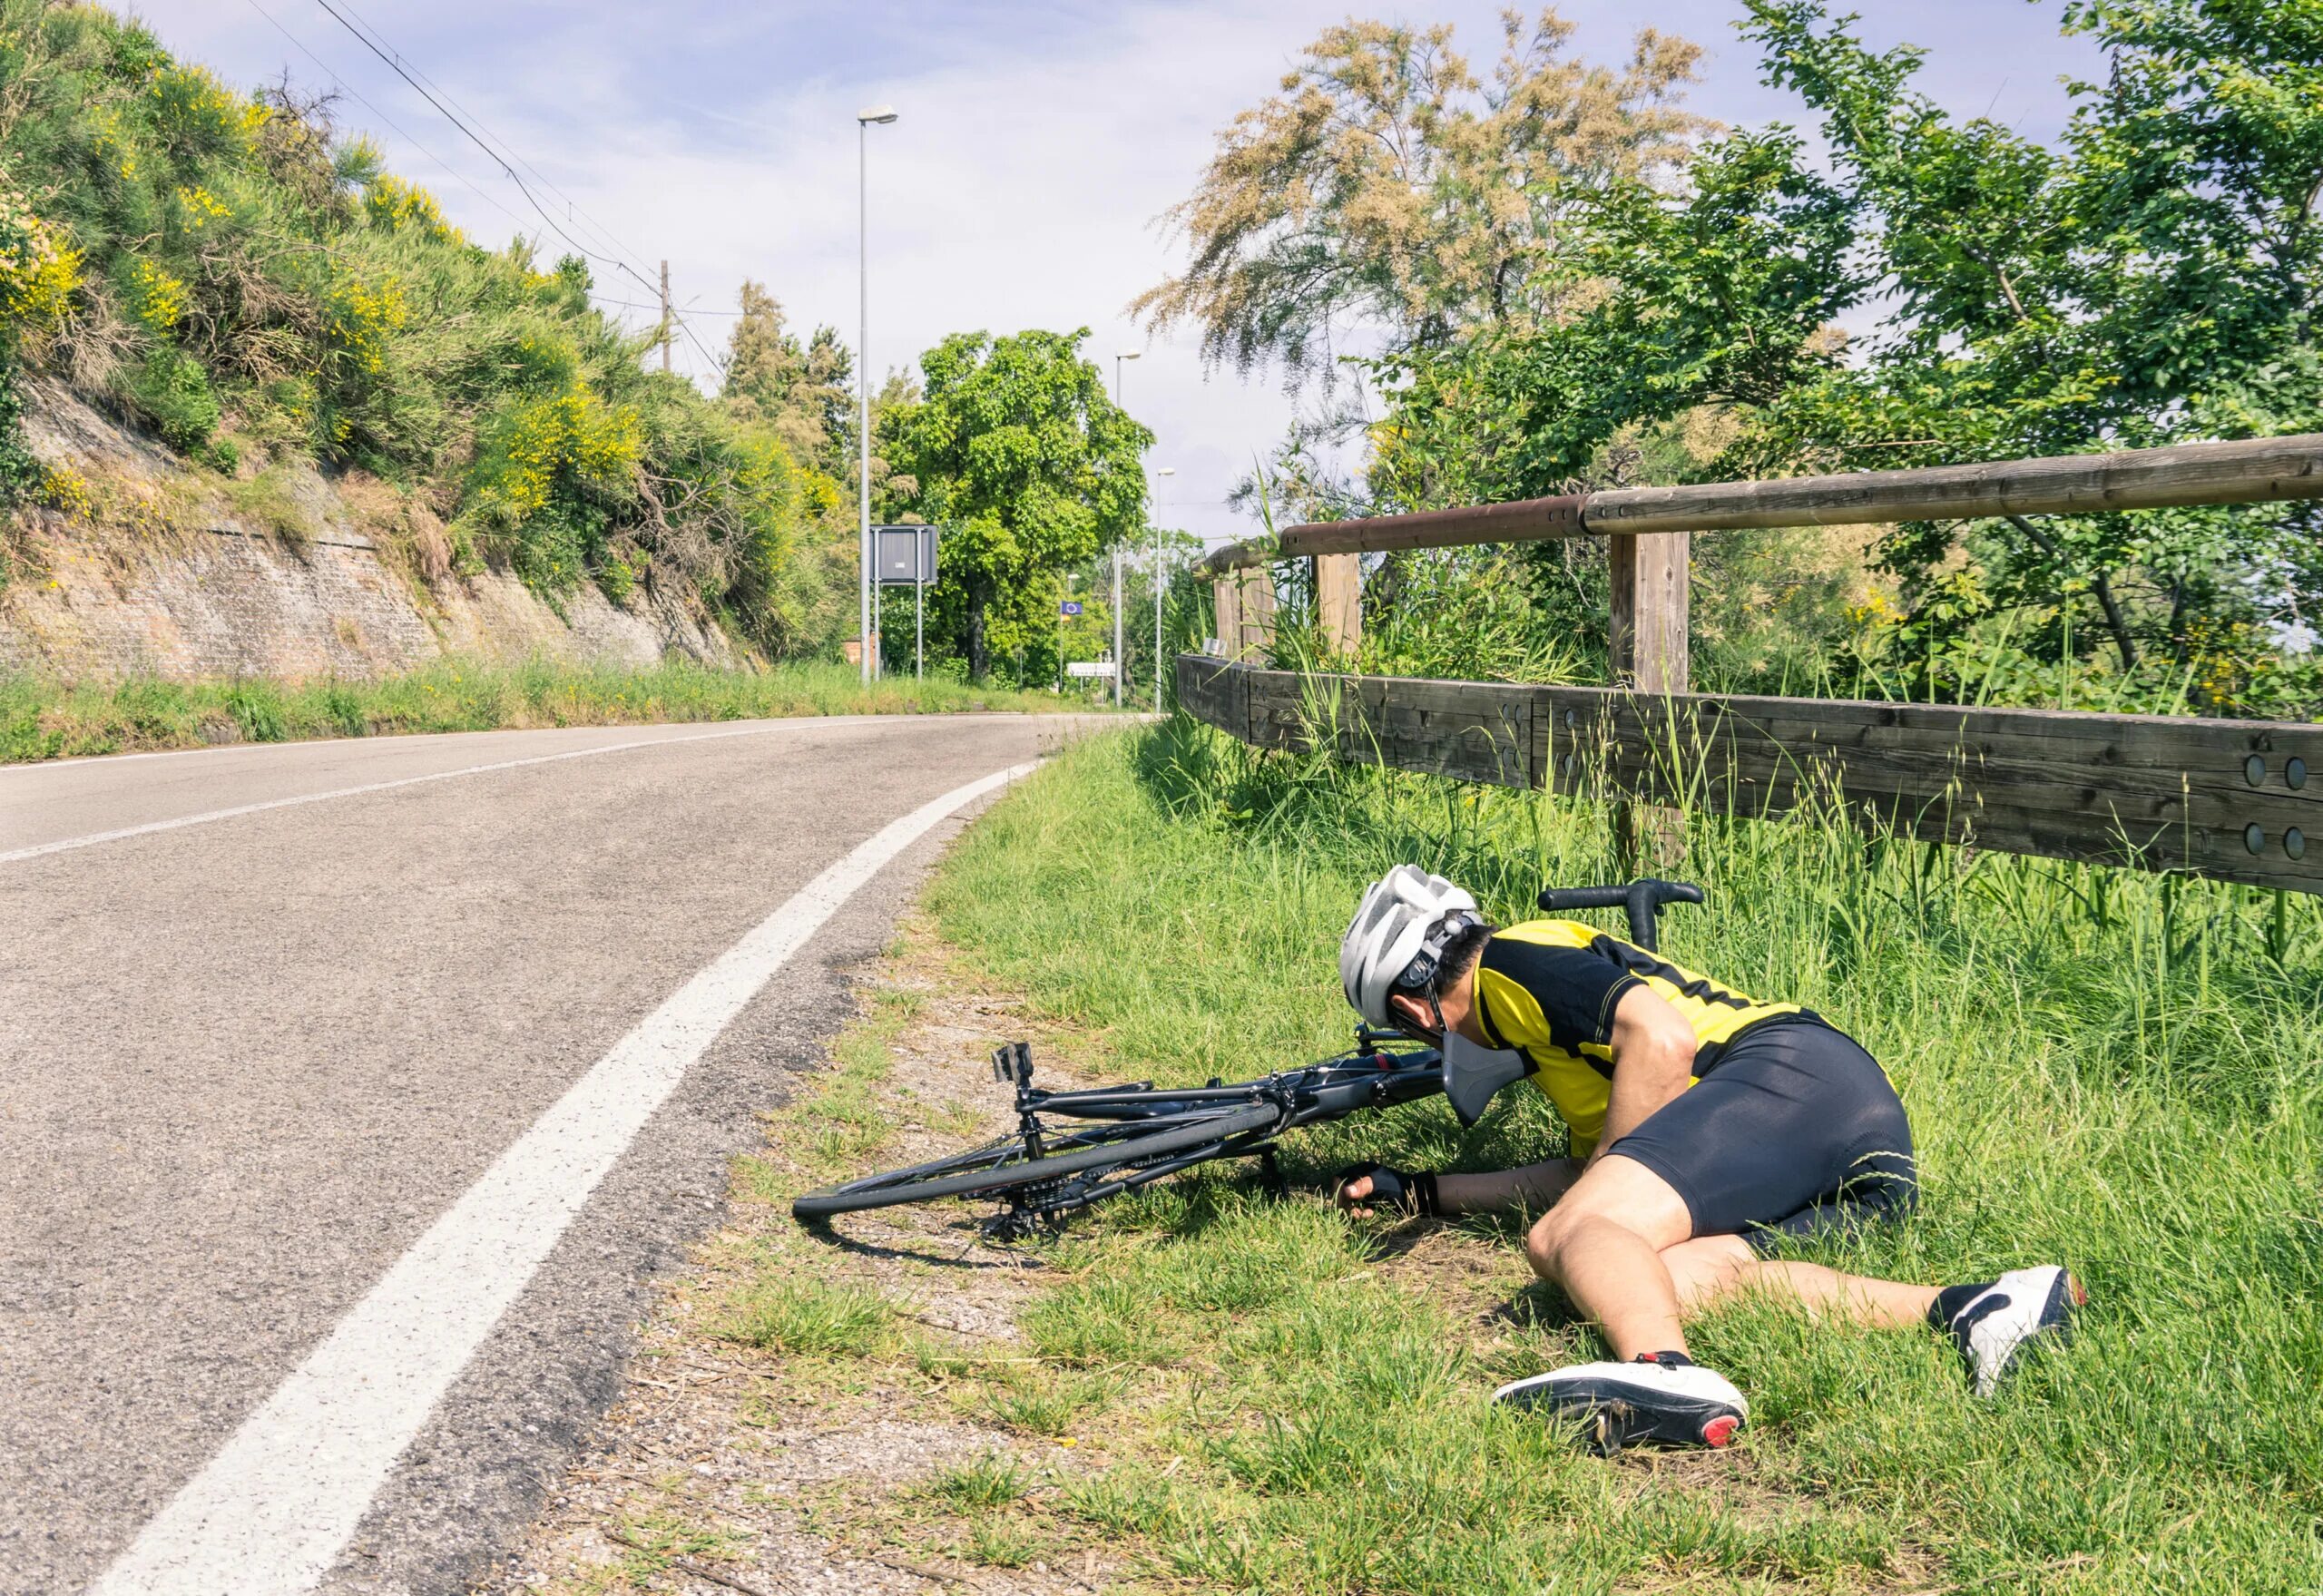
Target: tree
<point>801,392</point>
<point>1718,294</point>
<point>1016,451</point>
<point>2151,277</point>
<point>1389,184</point>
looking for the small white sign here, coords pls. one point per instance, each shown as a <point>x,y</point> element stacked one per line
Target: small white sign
<point>1089,667</point>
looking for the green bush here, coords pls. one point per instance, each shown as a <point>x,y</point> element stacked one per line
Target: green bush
<point>252,281</point>
<point>174,394</point>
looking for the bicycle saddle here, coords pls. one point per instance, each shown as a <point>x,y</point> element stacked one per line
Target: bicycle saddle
<point>1474,1075</point>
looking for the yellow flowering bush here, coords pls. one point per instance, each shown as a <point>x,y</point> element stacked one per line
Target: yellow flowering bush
<point>549,475</point>
<point>193,112</point>
<point>66,491</point>
<point>39,272</point>
<point>391,202</point>
<point>361,318</point>
<point>156,298</point>
<point>198,208</point>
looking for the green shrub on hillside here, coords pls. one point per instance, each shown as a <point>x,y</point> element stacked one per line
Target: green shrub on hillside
<point>231,273</point>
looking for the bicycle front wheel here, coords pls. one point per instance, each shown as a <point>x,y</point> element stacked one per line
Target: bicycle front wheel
<point>1004,1166</point>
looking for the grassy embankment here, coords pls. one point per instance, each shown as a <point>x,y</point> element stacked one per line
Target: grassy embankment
<point>41,719</point>
<point>2100,1069</point>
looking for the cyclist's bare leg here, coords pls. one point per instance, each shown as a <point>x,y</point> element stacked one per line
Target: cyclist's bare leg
<point>1603,1244</point>
<point>1709,1266</point>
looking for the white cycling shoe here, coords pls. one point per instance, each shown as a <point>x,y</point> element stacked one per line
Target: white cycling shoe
<point>1659,1397</point>
<point>2022,1309</point>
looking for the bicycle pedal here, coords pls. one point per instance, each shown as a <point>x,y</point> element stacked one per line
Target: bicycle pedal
<point>1012,1061</point>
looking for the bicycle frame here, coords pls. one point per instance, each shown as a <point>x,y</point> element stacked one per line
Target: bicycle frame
<point>1330,1088</point>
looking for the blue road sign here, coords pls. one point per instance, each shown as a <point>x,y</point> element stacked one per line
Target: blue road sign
<point>1069,607</point>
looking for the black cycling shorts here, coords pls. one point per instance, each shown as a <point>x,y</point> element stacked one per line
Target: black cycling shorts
<point>1794,1132</point>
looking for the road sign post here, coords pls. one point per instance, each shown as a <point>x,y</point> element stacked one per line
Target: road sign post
<point>905,557</point>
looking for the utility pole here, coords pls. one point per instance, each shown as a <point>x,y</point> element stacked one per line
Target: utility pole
<point>1121,661</point>
<point>1160,592</point>
<point>665,316</point>
<point>882,114</point>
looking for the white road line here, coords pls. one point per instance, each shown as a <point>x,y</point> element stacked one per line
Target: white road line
<point>39,849</point>
<point>270,1513</point>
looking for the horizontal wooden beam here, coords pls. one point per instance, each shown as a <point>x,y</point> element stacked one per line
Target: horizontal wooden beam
<point>1239,557</point>
<point>1523,521</point>
<point>2247,471</point>
<point>2240,471</point>
<point>2237,800</point>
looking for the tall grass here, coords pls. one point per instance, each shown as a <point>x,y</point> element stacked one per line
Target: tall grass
<point>45,719</point>
<point>2113,1070</point>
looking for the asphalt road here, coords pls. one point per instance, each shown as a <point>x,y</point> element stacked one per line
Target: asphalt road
<point>248,1063</point>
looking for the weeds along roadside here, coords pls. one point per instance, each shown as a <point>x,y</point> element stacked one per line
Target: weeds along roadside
<point>44,720</point>
<point>2103,1067</point>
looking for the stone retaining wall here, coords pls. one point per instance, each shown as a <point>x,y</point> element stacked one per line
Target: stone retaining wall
<point>234,599</point>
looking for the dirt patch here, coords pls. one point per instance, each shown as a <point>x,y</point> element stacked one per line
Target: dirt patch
<point>726,1466</point>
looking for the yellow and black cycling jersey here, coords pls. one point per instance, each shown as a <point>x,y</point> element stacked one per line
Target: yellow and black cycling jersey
<point>1548,989</point>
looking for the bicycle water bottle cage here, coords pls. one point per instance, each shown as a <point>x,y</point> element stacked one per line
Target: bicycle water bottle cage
<point>1474,1075</point>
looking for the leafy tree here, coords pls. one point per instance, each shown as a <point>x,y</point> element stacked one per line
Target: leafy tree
<point>1017,453</point>
<point>800,391</point>
<point>1389,185</point>
<point>1718,295</point>
<point>2151,277</point>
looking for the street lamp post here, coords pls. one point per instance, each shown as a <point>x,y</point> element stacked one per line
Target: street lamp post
<point>1121,661</point>
<point>882,114</point>
<point>1161,590</point>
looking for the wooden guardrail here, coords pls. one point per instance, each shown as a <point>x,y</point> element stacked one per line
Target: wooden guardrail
<point>2238,800</point>
<point>1649,530</point>
<point>2240,471</point>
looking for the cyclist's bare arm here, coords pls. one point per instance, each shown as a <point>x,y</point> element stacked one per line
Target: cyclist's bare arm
<point>1534,1189</point>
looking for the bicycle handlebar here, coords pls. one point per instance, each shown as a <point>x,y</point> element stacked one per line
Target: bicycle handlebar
<point>1642,899</point>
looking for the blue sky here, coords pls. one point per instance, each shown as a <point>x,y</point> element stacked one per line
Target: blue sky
<point>1038,143</point>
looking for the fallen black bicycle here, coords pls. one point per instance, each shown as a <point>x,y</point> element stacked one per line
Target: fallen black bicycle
<point>1073,1149</point>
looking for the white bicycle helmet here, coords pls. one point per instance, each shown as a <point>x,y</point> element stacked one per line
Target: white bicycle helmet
<point>1407,914</point>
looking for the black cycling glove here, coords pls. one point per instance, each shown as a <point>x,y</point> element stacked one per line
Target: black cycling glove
<point>1407,1193</point>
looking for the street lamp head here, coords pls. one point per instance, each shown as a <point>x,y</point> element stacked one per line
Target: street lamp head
<point>878,113</point>
<point>1165,471</point>
<point>1129,355</point>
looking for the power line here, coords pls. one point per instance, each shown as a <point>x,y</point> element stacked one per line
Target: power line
<point>324,67</point>
<point>497,160</point>
<point>634,305</point>
<point>509,150</point>
<point>395,64</point>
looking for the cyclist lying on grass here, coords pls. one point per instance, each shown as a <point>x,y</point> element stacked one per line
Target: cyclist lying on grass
<point>1705,1126</point>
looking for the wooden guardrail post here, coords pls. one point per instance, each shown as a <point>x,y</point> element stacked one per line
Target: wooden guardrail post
<point>1652,580</point>
<point>1225,597</point>
<point>1648,651</point>
<point>1339,602</point>
<point>1256,603</point>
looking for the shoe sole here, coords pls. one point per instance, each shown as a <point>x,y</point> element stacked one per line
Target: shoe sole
<point>1614,1415</point>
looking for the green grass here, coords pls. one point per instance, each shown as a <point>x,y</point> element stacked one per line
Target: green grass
<point>984,1483</point>
<point>45,719</point>
<point>2104,1068</point>
<point>801,1315</point>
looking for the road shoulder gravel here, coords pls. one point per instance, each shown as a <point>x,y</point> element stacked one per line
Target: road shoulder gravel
<point>796,1418</point>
